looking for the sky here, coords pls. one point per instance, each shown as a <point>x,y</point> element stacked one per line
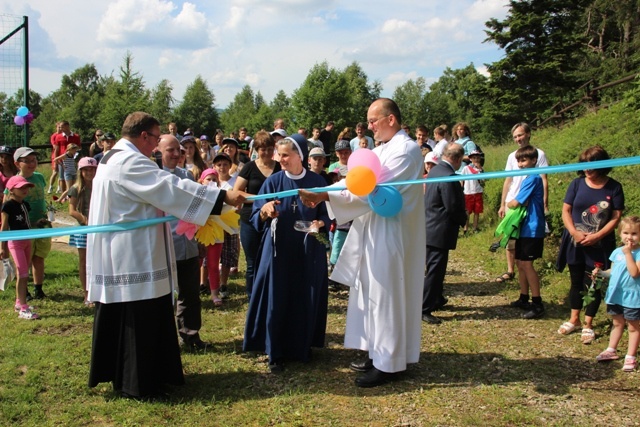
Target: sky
<point>270,45</point>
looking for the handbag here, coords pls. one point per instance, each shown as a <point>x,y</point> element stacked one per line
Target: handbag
<point>7,273</point>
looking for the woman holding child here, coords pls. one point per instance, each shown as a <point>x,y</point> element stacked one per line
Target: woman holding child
<point>591,212</point>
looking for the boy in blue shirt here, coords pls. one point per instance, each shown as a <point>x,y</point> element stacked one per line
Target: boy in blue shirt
<point>530,244</point>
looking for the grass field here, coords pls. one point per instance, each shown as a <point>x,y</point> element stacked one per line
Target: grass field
<point>483,366</point>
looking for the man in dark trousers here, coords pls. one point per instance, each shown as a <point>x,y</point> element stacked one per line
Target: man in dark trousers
<point>445,213</point>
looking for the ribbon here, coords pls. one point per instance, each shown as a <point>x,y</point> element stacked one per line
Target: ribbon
<point>126,226</point>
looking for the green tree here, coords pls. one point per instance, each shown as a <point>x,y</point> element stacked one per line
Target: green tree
<point>360,93</point>
<point>410,97</point>
<point>197,109</point>
<point>542,47</point>
<point>123,97</point>
<point>280,108</point>
<point>77,100</point>
<point>240,111</point>
<point>162,101</point>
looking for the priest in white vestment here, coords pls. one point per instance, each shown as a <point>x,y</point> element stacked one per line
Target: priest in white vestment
<point>383,258</point>
<point>131,274</point>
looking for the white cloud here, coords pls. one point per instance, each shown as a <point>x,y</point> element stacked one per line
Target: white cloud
<point>483,10</point>
<point>129,23</point>
<point>483,70</point>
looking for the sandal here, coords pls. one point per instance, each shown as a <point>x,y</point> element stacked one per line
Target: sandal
<point>607,355</point>
<point>630,364</point>
<point>217,301</point>
<point>506,276</point>
<point>566,328</point>
<point>588,336</point>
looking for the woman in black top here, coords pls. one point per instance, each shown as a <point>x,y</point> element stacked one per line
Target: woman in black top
<point>250,179</point>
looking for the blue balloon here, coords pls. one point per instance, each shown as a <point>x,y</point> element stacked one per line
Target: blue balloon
<point>385,201</point>
<point>22,111</point>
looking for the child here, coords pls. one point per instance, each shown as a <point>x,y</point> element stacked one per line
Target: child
<point>210,177</point>
<point>530,244</point>
<point>343,151</point>
<point>69,166</point>
<point>231,247</point>
<point>623,294</point>
<point>79,199</point>
<point>7,167</point>
<point>363,143</point>
<point>15,216</point>
<point>473,189</point>
<point>26,161</point>
<point>317,159</point>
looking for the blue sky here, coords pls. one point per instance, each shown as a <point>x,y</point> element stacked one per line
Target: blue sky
<point>269,45</point>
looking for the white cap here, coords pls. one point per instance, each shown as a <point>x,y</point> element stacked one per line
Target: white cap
<point>431,157</point>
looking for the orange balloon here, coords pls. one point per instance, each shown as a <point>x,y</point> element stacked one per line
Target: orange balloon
<point>361,180</point>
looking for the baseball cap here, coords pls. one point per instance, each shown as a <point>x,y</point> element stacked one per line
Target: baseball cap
<point>18,181</point>
<point>283,133</point>
<point>204,137</point>
<point>475,153</point>
<point>230,141</point>
<point>5,149</point>
<point>87,162</point>
<point>317,152</point>
<point>343,144</point>
<point>108,136</point>
<point>208,172</point>
<point>221,156</point>
<point>22,152</point>
<point>431,157</point>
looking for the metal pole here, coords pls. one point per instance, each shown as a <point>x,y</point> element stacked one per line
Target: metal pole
<point>26,75</point>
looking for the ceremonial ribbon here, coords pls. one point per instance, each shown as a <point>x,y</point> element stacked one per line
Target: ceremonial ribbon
<point>126,226</point>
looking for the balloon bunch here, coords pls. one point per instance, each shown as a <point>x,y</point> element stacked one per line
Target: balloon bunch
<point>364,170</point>
<point>23,116</point>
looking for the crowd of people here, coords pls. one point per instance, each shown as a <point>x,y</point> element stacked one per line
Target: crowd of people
<point>299,245</point>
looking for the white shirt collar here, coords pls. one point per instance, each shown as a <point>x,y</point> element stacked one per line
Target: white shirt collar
<point>296,177</point>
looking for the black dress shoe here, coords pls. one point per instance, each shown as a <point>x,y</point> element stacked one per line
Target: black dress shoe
<point>431,319</point>
<point>375,377</point>
<point>199,345</point>
<point>443,301</point>
<point>276,366</point>
<point>362,366</point>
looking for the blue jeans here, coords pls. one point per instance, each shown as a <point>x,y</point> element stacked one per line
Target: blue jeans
<point>250,239</point>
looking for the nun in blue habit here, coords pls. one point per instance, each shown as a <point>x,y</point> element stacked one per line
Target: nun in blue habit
<point>287,312</point>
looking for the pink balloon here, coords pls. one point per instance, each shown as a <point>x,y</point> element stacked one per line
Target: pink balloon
<point>19,120</point>
<point>28,118</point>
<point>367,158</point>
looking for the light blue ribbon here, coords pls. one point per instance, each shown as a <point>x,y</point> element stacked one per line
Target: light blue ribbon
<point>126,226</point>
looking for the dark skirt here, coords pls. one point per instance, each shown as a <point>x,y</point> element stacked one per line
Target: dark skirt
<point>135,346</point>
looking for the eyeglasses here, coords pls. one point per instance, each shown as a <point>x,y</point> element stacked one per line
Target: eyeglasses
<point>157,137</point>
<point>374,121</point>
<point>28,161</point>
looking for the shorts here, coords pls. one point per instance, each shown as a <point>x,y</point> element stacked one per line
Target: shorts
<point>78,241</point>
<point>60,169</point>
<point>41,247</point>
<point>473,203</point>
<point>70,177</point>
<point>627,313</point>
<point>529,248</point>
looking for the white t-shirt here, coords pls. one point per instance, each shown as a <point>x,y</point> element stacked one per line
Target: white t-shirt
<point>512,164</point>
<point>471,186</point>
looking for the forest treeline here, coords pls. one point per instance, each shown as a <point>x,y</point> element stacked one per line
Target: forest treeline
<point>551,50</point>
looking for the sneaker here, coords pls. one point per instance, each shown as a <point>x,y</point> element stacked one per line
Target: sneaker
<point>204,290</point>
<point>18,307</point>
<point>224,291</point>
<point>27,314</point>
<point>535,311</point>
<point>49,190</point>
<point>607,355</point>
<point>38,293</point>
<point>524,305</point>
<point>29,297</point>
